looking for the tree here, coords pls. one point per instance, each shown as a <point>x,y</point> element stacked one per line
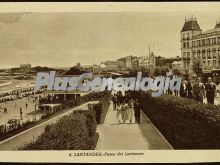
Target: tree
<point>75,70</point>
<point>161,71</point>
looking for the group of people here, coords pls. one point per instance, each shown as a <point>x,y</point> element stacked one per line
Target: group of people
<point>126,108</point>
<point>198,90</point>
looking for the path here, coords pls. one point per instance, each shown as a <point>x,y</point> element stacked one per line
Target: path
<point>143,136</point>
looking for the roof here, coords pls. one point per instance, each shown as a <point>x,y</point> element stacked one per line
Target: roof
<point>211,30</point>
<point>217,25</point>
<point>190,25</point>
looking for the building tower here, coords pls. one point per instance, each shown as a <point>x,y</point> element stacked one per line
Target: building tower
<point>190,28</point>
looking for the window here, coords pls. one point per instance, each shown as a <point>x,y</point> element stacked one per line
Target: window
<point>184,64</point>
<point>188,54</point>
<point>203,42</point>
<point>204,63</point>
<point>213,40</point>
<point>214,53</point>
<point>203,53</point>
<point>187,44</point>
<point>214,62</point>
<point>194,54</point>
<point>184,54</point>
<point>183,35</point>
<point>187,36</point>
<point>184,45</point>
<point>219,51</point>
<point>208,62</point>
<point>208,41</point>
<point>198,43</point>
<point>218,39</point>
<point>208,53</point>
<point>198,53</point>
<point>194,43</point>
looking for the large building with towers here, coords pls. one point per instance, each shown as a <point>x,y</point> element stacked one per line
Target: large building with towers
<point>200,48</point>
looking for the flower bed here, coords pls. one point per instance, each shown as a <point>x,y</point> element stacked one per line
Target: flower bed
<point>186,124</point>
<point>76,131</point>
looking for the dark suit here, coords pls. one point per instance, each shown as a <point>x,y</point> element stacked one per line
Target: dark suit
<point>137,112</point>
<point>183,92</point>
<point>210,92</point>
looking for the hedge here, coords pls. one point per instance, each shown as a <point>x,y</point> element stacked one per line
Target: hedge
<point>186,124</point>
<point>94,96</point>
<point>76,131</point>
<point>101,110</point>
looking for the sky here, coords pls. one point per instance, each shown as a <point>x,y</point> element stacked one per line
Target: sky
<point>62,39</point>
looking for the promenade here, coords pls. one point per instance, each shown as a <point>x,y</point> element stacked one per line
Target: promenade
<point>143,136</point>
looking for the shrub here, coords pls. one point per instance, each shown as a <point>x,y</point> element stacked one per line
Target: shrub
<point>185,123</point>
<point>73,132</point>
<point>98,109</point>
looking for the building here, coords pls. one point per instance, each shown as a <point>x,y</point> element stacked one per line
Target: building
<point>128,62</point>
<point>201,48</point>
<point>25,67</point>
<point>143,61</point>
<point>152,61</point>
<point>148,61</point>
<point>109,67</point>
<point>121,63</point>
<point>135,63</point>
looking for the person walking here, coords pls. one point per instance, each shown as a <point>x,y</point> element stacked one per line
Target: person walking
<point>183,92</point>
<point>21,113</point>
<point>130,110</point>
<point>189,89</point>
<point>119,110</point>
<point>26,105</point>
<point>210,89</point>
<point>137,111</point>
<point>114,100</point>
<point>198,90</point>
<point>124,114</point>
<point>5,110</point>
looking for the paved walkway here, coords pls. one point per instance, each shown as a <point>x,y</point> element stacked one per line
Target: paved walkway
<point>143,136</point>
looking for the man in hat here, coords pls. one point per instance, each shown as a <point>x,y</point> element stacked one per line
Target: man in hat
<point>210,89</point>
<point>198,90</point>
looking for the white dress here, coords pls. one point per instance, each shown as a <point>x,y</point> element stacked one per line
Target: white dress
<point>118,108</point>
<point>130,113</point>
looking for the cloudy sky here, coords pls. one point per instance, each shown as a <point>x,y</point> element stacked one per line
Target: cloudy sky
<point>63,39</point>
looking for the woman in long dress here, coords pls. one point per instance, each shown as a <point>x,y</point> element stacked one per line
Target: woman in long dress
<point>130,111</point>
<point>124,113</point>
<point>119,110</point>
